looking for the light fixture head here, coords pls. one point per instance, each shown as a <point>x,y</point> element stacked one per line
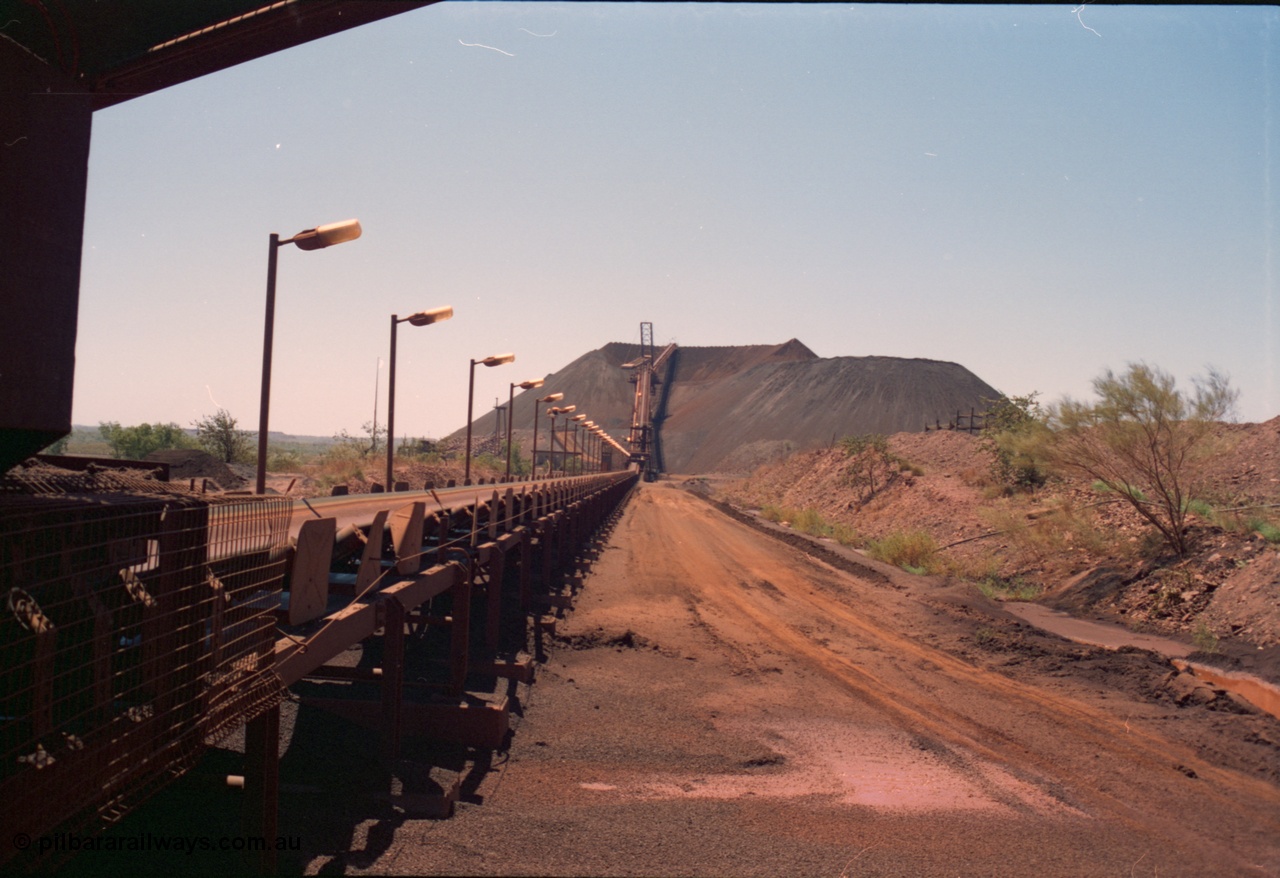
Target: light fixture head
<point>498,359</point>
<point>568,408</point>
<point>435,315</point>
<point>551,397</point>
<point>530,384</point>
<point>326,235</point>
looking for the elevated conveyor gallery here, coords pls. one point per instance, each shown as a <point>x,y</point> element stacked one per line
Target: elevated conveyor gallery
<point>145,623</point>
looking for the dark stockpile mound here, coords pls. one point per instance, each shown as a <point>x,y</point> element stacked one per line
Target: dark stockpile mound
<point>729,409</point>
<point>190,463</point>
<point>595,382</point>
<point>734,420</point>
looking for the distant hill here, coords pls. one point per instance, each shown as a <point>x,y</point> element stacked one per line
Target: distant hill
<point>728,409</point>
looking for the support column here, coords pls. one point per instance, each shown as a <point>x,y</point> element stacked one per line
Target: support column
<point>262,788</point>
<point>45,122</point>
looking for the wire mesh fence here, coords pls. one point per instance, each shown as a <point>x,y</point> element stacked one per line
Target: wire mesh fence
<point>137,630</point>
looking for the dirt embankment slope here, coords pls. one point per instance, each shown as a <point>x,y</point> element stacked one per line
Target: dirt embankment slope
<point>1084,551</point>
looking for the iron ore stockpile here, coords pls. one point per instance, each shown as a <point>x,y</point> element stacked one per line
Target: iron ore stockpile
<point>730,409</point>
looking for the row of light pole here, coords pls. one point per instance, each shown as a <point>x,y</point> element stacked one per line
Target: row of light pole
<point>348,230</point>
<point>580,422</point>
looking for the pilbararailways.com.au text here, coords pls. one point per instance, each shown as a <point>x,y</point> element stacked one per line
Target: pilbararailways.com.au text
<point>143,842</point>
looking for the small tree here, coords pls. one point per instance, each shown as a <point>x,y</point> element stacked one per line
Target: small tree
<point>365,445</point>
<point>218,435</point>
<point>519,466</point>
<point>871,466</point>
<point>1013,433</point>
<point>135,443</point>
<point>1142,439</point>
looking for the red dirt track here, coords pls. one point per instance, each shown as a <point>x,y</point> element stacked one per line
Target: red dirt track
<point>719,702</point>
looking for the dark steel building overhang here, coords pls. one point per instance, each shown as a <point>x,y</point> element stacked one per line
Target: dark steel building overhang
<point>59,61</point>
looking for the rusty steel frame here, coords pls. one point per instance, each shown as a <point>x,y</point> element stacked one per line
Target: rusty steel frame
<point>474,542</point>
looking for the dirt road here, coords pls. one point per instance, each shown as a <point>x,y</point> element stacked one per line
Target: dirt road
<point>720,703</point>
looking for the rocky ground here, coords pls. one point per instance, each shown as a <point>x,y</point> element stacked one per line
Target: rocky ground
<point>1073,547</point>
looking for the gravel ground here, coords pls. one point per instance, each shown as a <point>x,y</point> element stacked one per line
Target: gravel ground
<point>719,702</point>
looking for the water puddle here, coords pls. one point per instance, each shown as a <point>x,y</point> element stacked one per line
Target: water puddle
<point>1095,633</point>
<point>1261,694</point>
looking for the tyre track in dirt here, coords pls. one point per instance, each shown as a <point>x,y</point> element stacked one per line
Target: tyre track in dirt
<point>719,703</point>
<point>1056,742</point>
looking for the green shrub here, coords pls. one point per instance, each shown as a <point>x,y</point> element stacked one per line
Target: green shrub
<point>283,459</point>
<point>810,521</point>
<point>135,443</point>
<point>1268,530</point>
<point>1204,638</point>
<point>915,551</point>
<point>872,467</point>
<point>1202,509</point>
<point>1143,436</point>
<point>220,435</point>
<point>845,535</point>
<point>1013,433</point>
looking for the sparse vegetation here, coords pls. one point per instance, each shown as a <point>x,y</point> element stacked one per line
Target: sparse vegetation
<point>219,435</point>
<point>811,522</point>
<point>1142,438</point>
<point>367,443</point>
<point>985,636</point>
<point>1268,530</point>
<point>1092,545</point>
<point>135,443</point>
<point>336,468</point>
<point>283,460</point>
<point>58,447</point>
<point>1013,434</point>
<point>1203,509</point>
<point>1204,638</point>
<point>914,551</point>
<point>1061,528</point>
<point>872,466</point>
<point>1015,589</point>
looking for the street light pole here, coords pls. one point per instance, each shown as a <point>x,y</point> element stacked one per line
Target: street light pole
<point>268,334</point>
<point>511,402</point>
<point>309,239</point>
<point>550,397</point>
<point>422,318</point>
<point>589,437</point>
<point>577,422</point>
<point>564,448</point>
<point>551,448</point>
<point>495,360</point>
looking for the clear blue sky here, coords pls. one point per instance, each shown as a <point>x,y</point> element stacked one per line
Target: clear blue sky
<point>1037,193</point>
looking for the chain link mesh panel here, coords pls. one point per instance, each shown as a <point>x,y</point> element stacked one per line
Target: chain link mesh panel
<point>137,629</point>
